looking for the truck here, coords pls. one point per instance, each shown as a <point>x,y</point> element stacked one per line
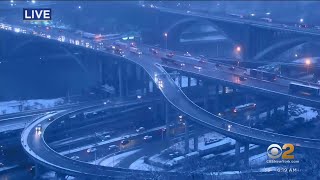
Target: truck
<point>135,50</point>
<point>298,88</point>
<point>168,60</point>
<point>120,45</point>
<point>259,74</point>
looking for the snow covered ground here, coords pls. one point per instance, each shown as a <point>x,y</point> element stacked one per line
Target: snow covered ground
<point>14,106</point>
<point>116,159</point>
<point>139,164</point>
<point>301,111</point>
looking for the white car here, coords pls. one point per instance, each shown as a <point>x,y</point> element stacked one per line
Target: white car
<point>197,67</point>
<point>91,150</point>
<point>38,127</point>
<point>147,137</point>
<point>74,157</point>
<point>140,129</point>
<point>187,54</point>
<point>113,147</point>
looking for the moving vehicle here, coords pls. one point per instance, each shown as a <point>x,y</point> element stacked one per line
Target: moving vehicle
<point>74,157</point>
<point>242,78</point>
<point>154,51</point>
<point>113,147</point>
<point>269,20</point>
<point>244,107</point>
<point>168,60</point>
<point>170,55</point>
<point>119,52</point>
<point>91,150</point>
<point>147,137</point>
<point>187,54</point>
<point>125,141</point>
<point>38,127</point>
<point>261,74</point>
<point>140,129</point>
<point>135,50</point>
<point>297,88</point>
<point>232,68</point>
<point>120,45</point>
<point>197,67</point>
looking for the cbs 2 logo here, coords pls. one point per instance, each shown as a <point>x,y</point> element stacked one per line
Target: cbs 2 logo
<point>274,151</point>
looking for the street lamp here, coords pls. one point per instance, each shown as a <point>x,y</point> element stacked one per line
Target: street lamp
<point>166,39</point>
<point>308,63</point>
<point>301,20</point>
<point>238,49</point>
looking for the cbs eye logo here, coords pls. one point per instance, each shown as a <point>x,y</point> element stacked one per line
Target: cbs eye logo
<point>274,151</point>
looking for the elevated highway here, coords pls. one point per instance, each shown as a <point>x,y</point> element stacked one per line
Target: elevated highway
<point>36,147</point>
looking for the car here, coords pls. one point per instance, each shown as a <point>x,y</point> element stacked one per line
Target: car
<point>232,68</point>
<point>147,137</point>
<point>170,55</point>
<point>140,129</point>
<point>113,147</point>
<point>187,54</point>
<point>182,64</point>
<point>133,44</point>
<point>197,67</point>
<point>74,157</point>
<point>218,65</point>
<point>111,47</point>
<point>242,78</point>
<point>119,52</point>
<point>229,127</point>
<point>104,137</point>
<point>50,118</point>
<point>153,50</point>
<point>91,150</point>
<point>38,127</point>
<point>125,141</point>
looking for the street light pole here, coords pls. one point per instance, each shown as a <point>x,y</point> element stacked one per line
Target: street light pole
<point>166,39</point>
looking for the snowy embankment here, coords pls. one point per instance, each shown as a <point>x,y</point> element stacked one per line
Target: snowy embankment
<point>116,159</point>
<point>301,111</point>
<point>139,164</point>
<point>8,107</point>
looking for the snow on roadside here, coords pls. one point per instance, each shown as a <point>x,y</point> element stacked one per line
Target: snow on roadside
<point>258,159</point>
<point>139,164</point>
<point>301,111</point>
<point>116,159</point>
<point>14,106</point>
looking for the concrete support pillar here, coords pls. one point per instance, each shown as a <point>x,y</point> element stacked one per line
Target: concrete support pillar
<point>275,110</point>
<point>196,143</point>
<point>216,104</point>
<point>189,81</point>
<point>237,153</point>
<point>60,176</point>
<point>126,89</point>
<point>224,90</point>
<point>120,80</point>
<point>268,114</point>
<point>217,89</point>
<point>38,171</point>
<point>166,111</point>
<point>286,110</point>
<point>198,82</point>
<point>205,96</point>
<point>180,80</point>
<point>246,154</point>
<point>186,137</point>
<point>100,67</point>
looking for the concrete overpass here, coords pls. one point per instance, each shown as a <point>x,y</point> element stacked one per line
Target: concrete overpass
<point>259,40</point>
<point>176,97</point>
